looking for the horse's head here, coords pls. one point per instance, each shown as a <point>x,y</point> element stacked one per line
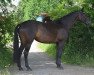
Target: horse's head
<point>84,18</point>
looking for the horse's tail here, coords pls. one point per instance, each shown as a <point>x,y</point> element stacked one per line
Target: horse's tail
<point>16,44</point>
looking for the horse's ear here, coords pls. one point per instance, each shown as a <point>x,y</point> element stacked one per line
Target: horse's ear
<point>82,9</point>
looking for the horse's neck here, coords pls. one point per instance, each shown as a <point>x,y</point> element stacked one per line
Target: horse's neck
<point>69,21</point>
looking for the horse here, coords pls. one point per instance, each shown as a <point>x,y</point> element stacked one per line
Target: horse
<point>55,31</point>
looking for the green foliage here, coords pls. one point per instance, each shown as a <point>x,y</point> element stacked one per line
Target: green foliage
<point>32,8</point>
<point>7,24</point>
<point>80,48</point>
<point>5,1</point>
<point>6,29</point>
<point>5,57</point>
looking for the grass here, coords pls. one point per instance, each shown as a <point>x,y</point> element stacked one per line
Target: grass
<point>5,57</point>
<point>5,60</point>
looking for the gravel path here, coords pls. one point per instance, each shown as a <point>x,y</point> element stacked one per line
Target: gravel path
<point>41,64</point>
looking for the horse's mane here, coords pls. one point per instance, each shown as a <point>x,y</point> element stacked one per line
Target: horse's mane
<point>61,18</point>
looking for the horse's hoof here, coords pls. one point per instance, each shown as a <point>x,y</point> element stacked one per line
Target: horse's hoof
<point>20,69</point>
<point>60,67</point>
<point>29,69</point>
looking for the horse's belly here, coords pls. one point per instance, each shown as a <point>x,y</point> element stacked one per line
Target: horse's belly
<point>45,37</point>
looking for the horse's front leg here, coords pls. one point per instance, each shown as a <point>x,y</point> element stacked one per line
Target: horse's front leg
<point>59,51</point>
<point>26,51</point>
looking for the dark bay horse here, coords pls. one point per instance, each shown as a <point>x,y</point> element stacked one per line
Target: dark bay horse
<point>56,31</point>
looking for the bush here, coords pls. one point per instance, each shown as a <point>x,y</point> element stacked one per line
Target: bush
<point>6,37</point>
<point>80,48</point>
<point>5,57</point>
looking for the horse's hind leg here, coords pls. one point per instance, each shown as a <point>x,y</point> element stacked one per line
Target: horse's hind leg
<point>27,48</point>
<point>19,57</point>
